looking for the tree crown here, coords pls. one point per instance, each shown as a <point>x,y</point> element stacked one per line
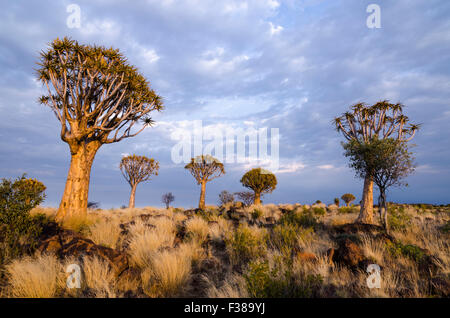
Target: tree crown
<point>205,168</point>
<point>259,180</point>
<point>388,161</point>
<point>94,91</point>
<point>137,169</point>
<point>381,120</point>
<point>348,197</point>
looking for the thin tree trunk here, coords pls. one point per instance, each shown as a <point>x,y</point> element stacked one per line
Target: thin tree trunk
<point>201,203</point>
<point>257,200</point>
<point>132,196</point>
<point>75,198</point>
<point>366,212</point>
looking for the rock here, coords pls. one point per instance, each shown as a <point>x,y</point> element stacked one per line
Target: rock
<point>332,207</point>
<point>65,243</point>
<point>306,257</point>
<point>441,286</point>
<point>348,253</point>
<point>270,220</point>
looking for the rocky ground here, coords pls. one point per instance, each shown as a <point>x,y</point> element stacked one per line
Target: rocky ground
<point>236,251</point>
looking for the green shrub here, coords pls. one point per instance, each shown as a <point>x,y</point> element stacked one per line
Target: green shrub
<point>409,250</point>
<point>347,210</point>
<point>284,238</point>
<point>305,218</point>
<point>398,219</point>
<point>279,282</point>
<point>256,214</point>
<point>336,201</point>
<point>246,244</point>
<point>18,230</point>
<point>319,211</point>
<point>446,227</point>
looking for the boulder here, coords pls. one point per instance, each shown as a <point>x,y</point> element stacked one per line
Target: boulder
<point>65,243</point>
<point>441,286</point>
<point>319,205</point>
<point>332,208</point>
<point>348,253</point>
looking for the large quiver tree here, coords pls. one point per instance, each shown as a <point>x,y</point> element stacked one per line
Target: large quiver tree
<point>99,99</point>
<point>364,123</point>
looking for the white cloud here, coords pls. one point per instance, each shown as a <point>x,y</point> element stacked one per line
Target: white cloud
<point>274,29</point>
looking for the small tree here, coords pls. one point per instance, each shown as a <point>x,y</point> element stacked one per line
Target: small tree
<point>225,197</point>
<point>261,181</point>
<point>389,162</point>
<point>348,198</point>
<point>167,199</point>
<point>19,231</point>
<point>204,168</point>
<point>362,124</point>
<point>336,201</point>
<point>98,98</point>
<point>137,169</point>
<point>247,197</point>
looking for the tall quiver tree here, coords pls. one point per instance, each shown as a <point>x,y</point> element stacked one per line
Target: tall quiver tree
<point>137,169</point>
<point>204,168</point>
<point>261,181</point>
<point>364,123</point>
<point>98,98</point>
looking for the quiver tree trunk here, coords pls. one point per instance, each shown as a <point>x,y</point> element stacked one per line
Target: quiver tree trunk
<point>382,206</point>
<point>75,198</point>
<point>132,196</point>
<point>257,200</point>
<point>201,203</point>
<point>366,212</point>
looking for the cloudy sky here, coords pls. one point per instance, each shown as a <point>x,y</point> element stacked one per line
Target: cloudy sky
<point>237,65</point>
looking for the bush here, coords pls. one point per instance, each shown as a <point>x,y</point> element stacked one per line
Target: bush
<point>279,282</point>
<point>19,231</point>
<point>318,211</point>
<point>398,219</point>
<point>446,227</point>
<point>347,210</point>
<point>305,218</point>
<point>256,214</point>
<point>284,238</point>
<point>246,244</point>
<point>225,197</point>
<point>336,201</point>
<point>409,250</point>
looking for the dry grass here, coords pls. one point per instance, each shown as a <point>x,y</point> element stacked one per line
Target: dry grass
<point>38,277</point>
<point>197,228</point>
<point>143,245</point>
<point>167,274</point>
<point>105,233</point>
<point>99,278</point>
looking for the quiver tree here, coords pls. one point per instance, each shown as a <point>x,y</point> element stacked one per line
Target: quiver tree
<point>362,124</point>
<point>204,168</point>
<point>98,99</point>
<point>167,199</point>
<point>137,169</point>
<point>261,181</point>
<point>348,198</point>
<point>388,161</point>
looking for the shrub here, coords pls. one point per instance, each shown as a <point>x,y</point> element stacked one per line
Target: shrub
<point>336,201</point>
<point>105,233</point>
<point>256,214</point>
<point>246,197</point>
<point>246,243</point>
<point>19,231</point>
<point>284,238</point>
<point>225,197</point>
<point>347,210</point>
<point>279,282</point>
<point>398,219</point>
<point>304,218</point>
<point>409,250</point>
<point>446,227</point>
<point>318,211</point>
